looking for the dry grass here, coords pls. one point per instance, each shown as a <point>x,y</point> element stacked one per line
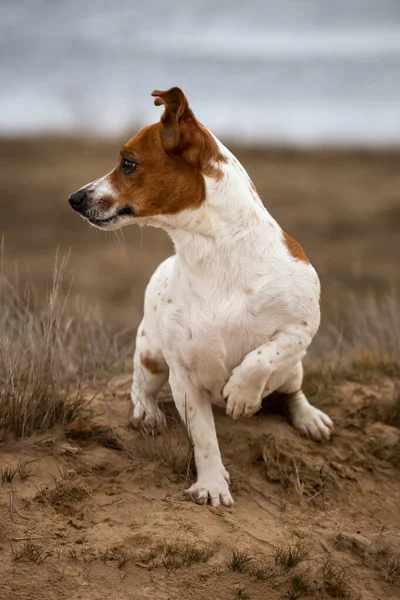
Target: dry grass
<point>64,494</point>
<point>31,552</point>
<point>45,353</point>
<point>178,554</point>
<point>298,574</point>
<point>391,568</point>
<point>300,585</point>
<point>360,337</point>
<point>166,450</point>
<point>8,473</point>
<point>389,415</point>
<point>336,579</point>
<point>118,554</point>
<point>301,481</point>
<point>23,470</point>
<point>378,448</point>
<point>241,593</point>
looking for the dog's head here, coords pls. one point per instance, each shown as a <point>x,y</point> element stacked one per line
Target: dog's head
<point>160,171</point>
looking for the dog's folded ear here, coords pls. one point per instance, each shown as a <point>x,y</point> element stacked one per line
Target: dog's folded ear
<point>181,134</point>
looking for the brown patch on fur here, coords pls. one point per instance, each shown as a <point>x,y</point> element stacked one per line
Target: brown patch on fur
<point>172,157</point>
<point>150,364</point>
<point>294,248</point>
<point>160,184</point>
<point>248,291</point>
<point>169,300</point>
<point>143,333</point>
<point>305,323</point>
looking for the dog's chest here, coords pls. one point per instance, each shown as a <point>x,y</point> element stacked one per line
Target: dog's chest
<point>211,333</point>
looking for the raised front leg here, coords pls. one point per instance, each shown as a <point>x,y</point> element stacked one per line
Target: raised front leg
<point>194,407</point>
<point>276,365</point>
<point>251,380</point>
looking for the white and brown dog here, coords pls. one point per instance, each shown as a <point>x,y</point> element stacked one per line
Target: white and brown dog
<point>229,317</point>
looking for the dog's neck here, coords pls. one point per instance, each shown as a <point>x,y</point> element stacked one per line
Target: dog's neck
<point>229,231</point>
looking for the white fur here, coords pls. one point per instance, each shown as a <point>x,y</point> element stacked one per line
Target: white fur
<point>228,319</point>
<point>100,188</point>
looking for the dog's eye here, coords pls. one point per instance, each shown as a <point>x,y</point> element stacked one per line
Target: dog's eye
<point>128,166</point>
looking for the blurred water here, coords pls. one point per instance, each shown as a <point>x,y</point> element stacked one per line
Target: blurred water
<point>289,70</point>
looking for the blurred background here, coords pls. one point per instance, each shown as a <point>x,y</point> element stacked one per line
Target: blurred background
<point>304,72</point>
<point>305,93</point>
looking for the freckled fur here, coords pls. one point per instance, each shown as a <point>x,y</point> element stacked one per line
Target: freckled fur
<point>242,299</point>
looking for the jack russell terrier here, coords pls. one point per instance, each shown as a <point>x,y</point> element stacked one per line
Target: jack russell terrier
<point>228,318</point>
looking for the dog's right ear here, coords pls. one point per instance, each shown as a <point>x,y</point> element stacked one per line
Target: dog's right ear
<point>181,134</point>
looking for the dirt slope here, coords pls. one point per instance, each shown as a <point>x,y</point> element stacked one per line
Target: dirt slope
<point>102,512</point>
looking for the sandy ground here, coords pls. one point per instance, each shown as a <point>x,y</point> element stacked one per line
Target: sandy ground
<point>102,513</point>
<point>96,510</point>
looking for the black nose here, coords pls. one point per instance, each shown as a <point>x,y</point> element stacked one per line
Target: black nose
<point>78,200</point>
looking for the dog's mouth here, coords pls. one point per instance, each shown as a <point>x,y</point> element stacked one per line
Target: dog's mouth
<point>106,222</point>
<point>102,223</point>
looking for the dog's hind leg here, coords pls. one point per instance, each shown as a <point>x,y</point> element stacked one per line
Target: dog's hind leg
<point>308,419</point>
<point>150,370</point>
<point>150,373</point>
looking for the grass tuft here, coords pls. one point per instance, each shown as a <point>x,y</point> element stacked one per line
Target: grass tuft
<point>299,586</point>
<point>31,552</point>
<point>391,567</point>
<point>184,555</point>
<point>336,579</point>
<point>117,553</point>
<point>261,572</point>
<point>65,493</point>
<point>23,471</point>
<point>239,561</point>
<point>8,474</point>
<point>175,555</point>
<point>291,556</point>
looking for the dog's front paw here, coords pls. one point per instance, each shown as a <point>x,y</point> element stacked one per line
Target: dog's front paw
<point>242,399</point>
<point>211,489</point>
